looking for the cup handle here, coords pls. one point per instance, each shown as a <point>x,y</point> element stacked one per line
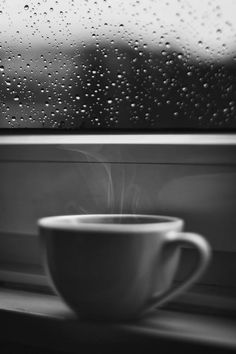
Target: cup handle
<point>175,238</point>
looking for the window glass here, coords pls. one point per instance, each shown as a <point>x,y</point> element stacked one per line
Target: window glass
<point>114,65</point>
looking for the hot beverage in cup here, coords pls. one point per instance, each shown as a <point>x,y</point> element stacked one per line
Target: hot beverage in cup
<point>117,267</point>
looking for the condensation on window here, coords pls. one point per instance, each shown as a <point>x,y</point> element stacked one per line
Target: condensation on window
<point>113,64</point>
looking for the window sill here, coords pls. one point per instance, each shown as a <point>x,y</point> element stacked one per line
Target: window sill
<point>44,320</point>
<point>129,139</point>
<point>173,149</point>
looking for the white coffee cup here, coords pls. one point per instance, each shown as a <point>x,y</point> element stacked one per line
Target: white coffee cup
<point>117,267</point>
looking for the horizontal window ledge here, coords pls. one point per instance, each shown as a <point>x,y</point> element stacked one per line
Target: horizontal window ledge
<point>201,298</point>
<point>145,149</point>
<point>111,139</point>
<point>23,275</point>
<point>50,323</point>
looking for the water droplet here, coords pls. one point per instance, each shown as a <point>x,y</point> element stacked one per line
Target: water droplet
<point>16,98</point>
<point>26,7</point>
<point>1,68</point>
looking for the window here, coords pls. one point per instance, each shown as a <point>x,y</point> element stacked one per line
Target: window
<point>117,65</point>
<point>137,67</point>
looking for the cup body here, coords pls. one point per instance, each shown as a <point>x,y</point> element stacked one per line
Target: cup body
<point>107,267</point>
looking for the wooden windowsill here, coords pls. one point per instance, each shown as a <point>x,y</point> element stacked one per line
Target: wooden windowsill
<point>45,320</point>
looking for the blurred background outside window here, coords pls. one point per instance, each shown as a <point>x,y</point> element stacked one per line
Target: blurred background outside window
<point>118,65</point>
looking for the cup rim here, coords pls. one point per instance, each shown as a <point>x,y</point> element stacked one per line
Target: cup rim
<point>51,222</point>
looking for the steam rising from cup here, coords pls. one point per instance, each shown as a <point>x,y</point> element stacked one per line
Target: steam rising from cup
<point>122,194</point>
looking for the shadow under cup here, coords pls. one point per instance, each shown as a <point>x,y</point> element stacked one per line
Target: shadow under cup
<point>115,267</point>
